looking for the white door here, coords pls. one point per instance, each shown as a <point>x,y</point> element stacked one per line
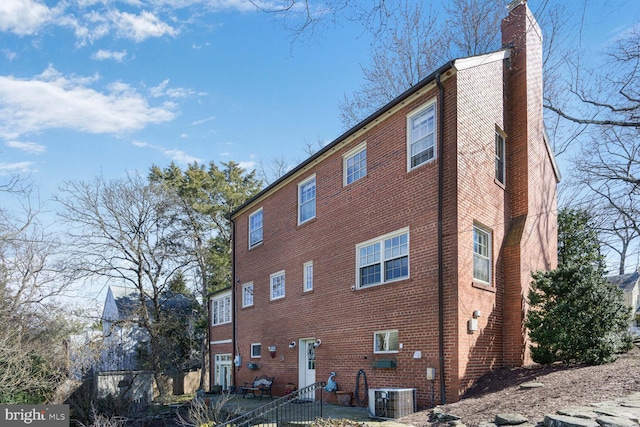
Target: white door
<point>307,365</point>
<point>223,370</point>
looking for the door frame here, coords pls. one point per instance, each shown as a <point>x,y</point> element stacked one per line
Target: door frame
<point>303,370</point>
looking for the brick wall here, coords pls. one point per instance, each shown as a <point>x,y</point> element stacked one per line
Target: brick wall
<point>482,201</point>
<point>387,199</point>
<point>520,216</point>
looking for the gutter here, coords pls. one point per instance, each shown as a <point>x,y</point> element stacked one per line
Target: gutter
<point>440,237</point>
<point>234,342</point>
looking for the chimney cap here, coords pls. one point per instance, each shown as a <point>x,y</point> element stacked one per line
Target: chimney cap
<point>515,3</point>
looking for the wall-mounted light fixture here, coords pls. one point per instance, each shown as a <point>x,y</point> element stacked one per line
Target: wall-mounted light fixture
<point>292,345</point>
<point>317,343</point>
<point>272,350</point>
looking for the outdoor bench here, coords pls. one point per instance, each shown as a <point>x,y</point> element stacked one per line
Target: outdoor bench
<point>261,383</point>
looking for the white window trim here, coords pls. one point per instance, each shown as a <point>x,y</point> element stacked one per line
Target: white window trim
<point>253,346</point>
<point>253,245</point>
<point>221,298</point>
<point>489,233</point>
<point>410,117</point>
<point>305,277</point>
<point>356,150</point>
<point>381,239</point>
<point>279,273</point>
<point>300,185</point>
<point>245,286</point>
<point>389,331</point>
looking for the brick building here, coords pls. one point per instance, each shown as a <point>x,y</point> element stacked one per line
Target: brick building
<point>408,242</point>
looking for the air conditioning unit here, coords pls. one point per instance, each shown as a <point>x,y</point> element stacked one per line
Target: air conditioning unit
<point>392,403</point>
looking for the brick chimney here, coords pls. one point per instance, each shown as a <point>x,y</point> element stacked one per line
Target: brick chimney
<point>527,243</point>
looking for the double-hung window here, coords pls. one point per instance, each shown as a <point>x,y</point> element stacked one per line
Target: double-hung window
<point>247,295</point>
<point>277,285</point>
<point>481,255</point>
<point>307,200</point>
<point>308,276</point>
<point>384,259</point>
<point>385,341</point>
<point>221,310</point>
<point>255,228</point>
<point>421,136</point>
<point>355,164</point>
<point>500,156</point>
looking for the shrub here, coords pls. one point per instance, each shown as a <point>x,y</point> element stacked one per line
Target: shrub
<point>576,316</point>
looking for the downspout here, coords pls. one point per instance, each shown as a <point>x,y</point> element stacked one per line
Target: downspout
<point>233,299</point>
<point>440,239</point>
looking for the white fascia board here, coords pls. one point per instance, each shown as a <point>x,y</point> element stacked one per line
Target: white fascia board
<point>474,61</point>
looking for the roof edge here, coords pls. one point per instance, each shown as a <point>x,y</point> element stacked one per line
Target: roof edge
<point>372,118</point>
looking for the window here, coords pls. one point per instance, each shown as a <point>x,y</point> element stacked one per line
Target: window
<point>255,228</point>
<point>385,342</point>
<point>500,157</point>
<point>256,349</point>
<point>355,164</point>
<point>308,276</point>
<point>307,200</point>
<point>421,136</point>
<point>277,285</point>
<point>383,260</point>
<point>221,310</point>
<point>481,255</point>
<point>247,295</point>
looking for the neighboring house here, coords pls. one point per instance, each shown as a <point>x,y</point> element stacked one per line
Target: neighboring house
<point>630,286</point>
<point>83,350</point>
<point>407,243</point>
<point>125,340</point>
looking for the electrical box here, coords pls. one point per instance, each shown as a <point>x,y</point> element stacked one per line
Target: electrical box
<point>473,325</point>
<point>431,374</point>
<point>238,361</point>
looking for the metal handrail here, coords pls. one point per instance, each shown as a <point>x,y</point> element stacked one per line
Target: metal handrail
<point>272,408</point>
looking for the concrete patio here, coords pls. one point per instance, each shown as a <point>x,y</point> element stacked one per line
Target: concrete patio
<point>333,411</point>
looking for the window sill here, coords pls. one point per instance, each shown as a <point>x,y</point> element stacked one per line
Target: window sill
<point>378,285</point>
<point>484,286</point>
<point>257,245</point>
<point>246,307</point>
<point>309,221</point>
<point>498,183</point>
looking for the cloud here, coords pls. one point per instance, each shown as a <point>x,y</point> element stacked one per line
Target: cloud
<point>140,27</point>
<point>53,101</point>
<point>102,54</point>
<point>201,121</point>
<point>176,155</point>
<point>248,166</point>
<point>16,168</point>
<point>24,17</point>
<point>9,54</point>
<point>162,90</point>
<point>28,147</point>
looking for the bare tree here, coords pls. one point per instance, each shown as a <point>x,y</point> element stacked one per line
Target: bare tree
<point>411,50</point>
<point>608,95</point>
<point>126,231</point>
<point>32,329</point>
<point>608,173</point>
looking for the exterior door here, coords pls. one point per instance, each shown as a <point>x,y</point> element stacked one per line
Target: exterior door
<point>223,370</point>
<point>307,365</point>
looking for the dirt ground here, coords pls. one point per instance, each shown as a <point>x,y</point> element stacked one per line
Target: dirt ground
<point>564,386</point>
